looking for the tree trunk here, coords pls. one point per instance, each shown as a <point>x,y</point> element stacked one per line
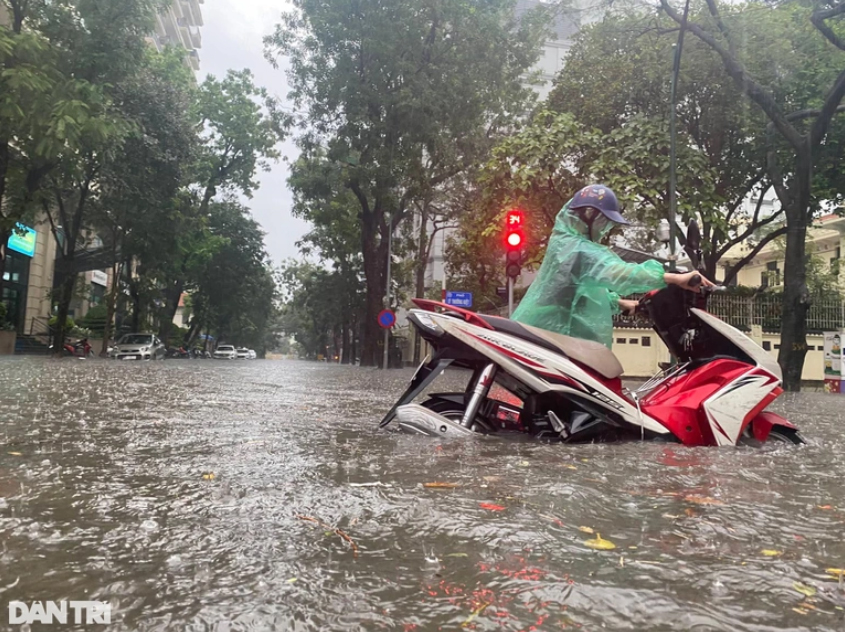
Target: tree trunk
<point>65,297</point>
<point>4,238</point>
<point>168,312</point>
<point>375,256</point>
<point>796,296</point>
<point>111,303</point>
<point>346,352</point>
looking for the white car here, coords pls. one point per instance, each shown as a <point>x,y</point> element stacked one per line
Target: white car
<point>252,355</point>
<point>225,352</point>
<point>243,354</point>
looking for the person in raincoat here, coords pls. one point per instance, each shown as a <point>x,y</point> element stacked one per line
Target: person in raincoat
<point>578,287</point>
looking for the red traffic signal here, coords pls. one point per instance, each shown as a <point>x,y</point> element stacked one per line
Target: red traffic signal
<point>513,229</point>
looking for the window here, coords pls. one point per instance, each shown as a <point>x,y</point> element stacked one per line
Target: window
<point>767,345</point>
<point>633,341</point>
<point>646,341</point>
<point>771,277</point>
<point>620,341</point>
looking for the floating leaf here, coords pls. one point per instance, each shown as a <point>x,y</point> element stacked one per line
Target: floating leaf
<point>456,555</point>
<point>702,500</point>
<point>799,610</point>
<point>437,485</point>
<point>570,467</point>
<point>15,453</point>
<point>491,506</point>
<point>474,614</point>
<point>838,572</point>
<point>291,580</point>
<point>208,476</point>
<point>771,552</point>
<point>804,589</point>
<point>600,544</point>
<point>825,507</point>
<point>524,464</point>
<point>586,529</point>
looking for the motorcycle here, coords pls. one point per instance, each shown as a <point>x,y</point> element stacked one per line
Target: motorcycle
<point>528,381</point>
<point>80,349</point>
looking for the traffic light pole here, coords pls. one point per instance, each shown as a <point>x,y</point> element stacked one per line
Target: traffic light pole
<point>510,296</point>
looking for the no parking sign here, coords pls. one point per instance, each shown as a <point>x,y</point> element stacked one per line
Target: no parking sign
<point>386,319</point>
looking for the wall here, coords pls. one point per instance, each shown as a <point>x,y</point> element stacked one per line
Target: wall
<point>40,275</point>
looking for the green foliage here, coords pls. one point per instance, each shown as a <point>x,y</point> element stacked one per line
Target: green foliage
<point>235,289</point>
<point>397,102</point>
<point>69,323</point>
<point>94,319</point>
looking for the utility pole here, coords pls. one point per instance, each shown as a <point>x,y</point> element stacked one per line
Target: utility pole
<point>673,158</point>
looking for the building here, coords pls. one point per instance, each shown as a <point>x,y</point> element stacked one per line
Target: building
<point>825,240</point>
<point>179,25</point>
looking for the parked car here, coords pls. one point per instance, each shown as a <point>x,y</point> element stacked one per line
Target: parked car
<point>225,352</point>
<point>138,347</point>
<point>243,354</point>
<point>252,355</point>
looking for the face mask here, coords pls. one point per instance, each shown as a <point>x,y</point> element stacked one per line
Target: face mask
<point>598,226</point>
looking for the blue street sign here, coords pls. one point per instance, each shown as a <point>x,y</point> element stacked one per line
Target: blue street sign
<point>459,299</point>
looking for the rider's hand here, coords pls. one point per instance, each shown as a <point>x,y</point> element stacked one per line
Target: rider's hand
<point>683,280</point>
<point>628,307</point>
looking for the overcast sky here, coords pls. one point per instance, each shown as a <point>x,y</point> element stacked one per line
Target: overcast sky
<point>232,38</point>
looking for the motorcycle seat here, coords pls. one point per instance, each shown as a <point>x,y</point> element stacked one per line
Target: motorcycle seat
<point>589,353</point>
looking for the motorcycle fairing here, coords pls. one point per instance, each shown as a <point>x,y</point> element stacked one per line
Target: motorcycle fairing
<point>542,370</point>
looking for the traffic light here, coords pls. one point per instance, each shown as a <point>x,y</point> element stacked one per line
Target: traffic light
<point>514,242</point>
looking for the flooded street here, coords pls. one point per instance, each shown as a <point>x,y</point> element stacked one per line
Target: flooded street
<point>201,495</point>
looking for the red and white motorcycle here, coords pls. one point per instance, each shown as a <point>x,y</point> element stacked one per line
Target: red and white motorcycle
<point>531,381</point>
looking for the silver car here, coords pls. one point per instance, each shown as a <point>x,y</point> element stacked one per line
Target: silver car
<point>138,347</point>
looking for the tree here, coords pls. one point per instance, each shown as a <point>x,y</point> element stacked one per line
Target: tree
<point>235,289</point>
<point>383,88</point>
<point>138,185</point>
<point>44,108</point>
<point>801,119</point>
<point>618,70</point>
<point>240,127</point>
<point>103,44</point>
<point>541,167</point>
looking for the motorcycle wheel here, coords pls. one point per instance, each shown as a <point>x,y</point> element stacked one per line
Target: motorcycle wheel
<point>453,412</point>
<point>785,435</point>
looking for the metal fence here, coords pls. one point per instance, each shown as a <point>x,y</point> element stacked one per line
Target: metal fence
<point>826,313</point>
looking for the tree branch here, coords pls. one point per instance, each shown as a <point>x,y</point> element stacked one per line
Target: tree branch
<point>742,79</point>
<point>828,110</point>
<point>754,252</point>
<point>714,11</point>
<point>818,18</point>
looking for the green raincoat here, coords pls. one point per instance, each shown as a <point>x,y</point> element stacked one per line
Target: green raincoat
<point>578,286</point>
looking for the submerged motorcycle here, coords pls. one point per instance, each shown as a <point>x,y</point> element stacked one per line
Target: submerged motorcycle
<point>529,381</point>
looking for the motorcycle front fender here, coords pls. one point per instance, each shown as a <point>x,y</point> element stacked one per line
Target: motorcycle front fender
<point>763,423</point>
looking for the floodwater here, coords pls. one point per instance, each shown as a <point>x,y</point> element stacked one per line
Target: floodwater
<point>202,495</point>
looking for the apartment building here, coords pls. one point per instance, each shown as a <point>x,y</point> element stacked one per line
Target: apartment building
<point>179,25</point>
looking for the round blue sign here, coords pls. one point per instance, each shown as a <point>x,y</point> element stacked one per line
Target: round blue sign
<point>386,319</point>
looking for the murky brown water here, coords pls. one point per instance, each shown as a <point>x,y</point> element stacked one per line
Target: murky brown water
<point>176,491</point>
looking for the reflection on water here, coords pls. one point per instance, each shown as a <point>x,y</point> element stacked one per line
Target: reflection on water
<point>205,496</point>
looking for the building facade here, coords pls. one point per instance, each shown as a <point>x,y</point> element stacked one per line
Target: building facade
<point>179,25</point>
